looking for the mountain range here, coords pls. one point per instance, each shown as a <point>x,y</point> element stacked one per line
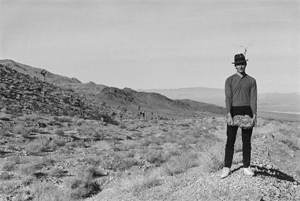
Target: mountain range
<point>175,101</point>
<point>267,102</point>
<point>129,99</point>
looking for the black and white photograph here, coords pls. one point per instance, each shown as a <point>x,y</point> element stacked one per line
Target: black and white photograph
<point>149,100</point>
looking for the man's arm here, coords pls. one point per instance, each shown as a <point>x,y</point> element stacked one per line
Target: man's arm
<point>253,101</point>
<point>228,100</point>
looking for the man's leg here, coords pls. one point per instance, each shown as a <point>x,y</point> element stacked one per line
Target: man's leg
<point>229,149</point>
<point>246,138</point>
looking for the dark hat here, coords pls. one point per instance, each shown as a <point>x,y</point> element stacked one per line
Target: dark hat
<point>239,59</point>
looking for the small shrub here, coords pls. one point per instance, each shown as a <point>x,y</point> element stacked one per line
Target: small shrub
<point>4,132</point>
<point>27,169</point>
<point>83,186</point>
<point>58,142</point>
<point>64,119</point>
<point>47,161</point>
<point>157,157</point>
<point>19,129</point>
<point>6,176</point>
<point>49,192</point>
<point>179,164</point>
<point>292,144</point>
<point>36,147</point>
<point>109,119</point>
<point>57,172</point>
<point>59,132</point>
<point>95,172</point>
<point>212,158</point>
<point>12,147</point>
<point>35,130</point>
<point>9,166</point>
<point>139,183</point>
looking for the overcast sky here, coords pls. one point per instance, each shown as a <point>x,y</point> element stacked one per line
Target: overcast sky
<point>147,44</point>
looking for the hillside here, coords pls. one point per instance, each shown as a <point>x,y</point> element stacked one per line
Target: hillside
<point>120,98</point>
<point>36,72</point>
<point>154,102</point>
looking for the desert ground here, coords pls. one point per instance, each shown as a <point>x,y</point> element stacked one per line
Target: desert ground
<point>143,159</point>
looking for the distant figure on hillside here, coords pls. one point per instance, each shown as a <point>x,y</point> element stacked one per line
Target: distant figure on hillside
<point>241,99</point>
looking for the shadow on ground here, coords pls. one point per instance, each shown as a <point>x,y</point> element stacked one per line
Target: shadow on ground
<point>270,172</point>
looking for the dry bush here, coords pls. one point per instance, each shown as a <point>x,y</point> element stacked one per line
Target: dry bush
<point>63,119</point>
<point>92,160</point>
<point>117,162</point>
<point>212,158</point>
<point>4,132</point>
<point>9,166</point>
<point>30,117</point>
<point>35,164</point>
<point>19,129</point>
<point>9,186</point>
<point>78,143</point>
<point>94,172</point>
<point>156,157</point>
<point>28,169</point>
<point>57,143</point>
<point>37,146</point>
<point>138,183</point>
<point>179,164</point>
<point>49,192</point>
<point>12,147</point>
<point>83,185</point>
<point>57,172</point>
<point>35,130</point>
<point>291,143</point>
<point>6,176</point>
<point>59,132</point>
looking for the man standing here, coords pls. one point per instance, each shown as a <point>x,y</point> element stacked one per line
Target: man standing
<point>241,99</point>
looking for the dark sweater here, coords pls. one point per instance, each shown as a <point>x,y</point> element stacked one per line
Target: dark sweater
<point>241,92</point>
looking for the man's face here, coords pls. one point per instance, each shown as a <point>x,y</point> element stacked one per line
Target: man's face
<point>240,68</point>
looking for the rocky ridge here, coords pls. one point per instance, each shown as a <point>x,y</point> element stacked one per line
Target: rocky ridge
<point>23,94</point>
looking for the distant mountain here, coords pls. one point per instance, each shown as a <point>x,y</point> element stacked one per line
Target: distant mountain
<point>203,94</point>
<point>154,102</point>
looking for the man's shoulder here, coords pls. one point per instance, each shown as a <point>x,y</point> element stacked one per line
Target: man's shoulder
<point>231,77</point>
<point>251,78</point>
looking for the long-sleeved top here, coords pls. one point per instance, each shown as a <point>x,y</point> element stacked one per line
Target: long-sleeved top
<point>241,91</point>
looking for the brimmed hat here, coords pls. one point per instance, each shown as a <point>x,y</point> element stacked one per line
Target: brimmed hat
<point>239,59</point>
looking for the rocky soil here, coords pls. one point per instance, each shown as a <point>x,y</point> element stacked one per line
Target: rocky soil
<point>275,160</point>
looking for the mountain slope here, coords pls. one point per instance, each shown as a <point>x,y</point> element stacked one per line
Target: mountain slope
<point>126,98</point>
<point>155,102</point>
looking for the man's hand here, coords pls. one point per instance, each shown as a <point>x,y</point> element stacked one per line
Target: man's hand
<point>229,119</point>
<point>254,119</point>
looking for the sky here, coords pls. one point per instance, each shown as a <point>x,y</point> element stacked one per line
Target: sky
<point>156,44</point>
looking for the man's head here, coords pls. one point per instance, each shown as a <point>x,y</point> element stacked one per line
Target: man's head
<point>239,59</point>
<point>240,63</point>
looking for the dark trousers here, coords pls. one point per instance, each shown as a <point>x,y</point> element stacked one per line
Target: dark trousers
<point>231,137</point>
